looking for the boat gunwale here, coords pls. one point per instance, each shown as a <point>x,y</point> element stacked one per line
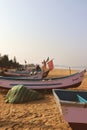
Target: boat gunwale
<point>69,103</point>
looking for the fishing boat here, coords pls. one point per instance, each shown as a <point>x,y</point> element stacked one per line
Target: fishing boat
<point>26,74</point>
<point>33,72</point>
<point>73,80</point>
<point>73,106</point>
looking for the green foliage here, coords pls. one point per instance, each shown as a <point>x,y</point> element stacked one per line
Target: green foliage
<point>5,62</point>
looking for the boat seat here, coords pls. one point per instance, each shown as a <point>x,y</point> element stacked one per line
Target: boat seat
<point>81,99</point>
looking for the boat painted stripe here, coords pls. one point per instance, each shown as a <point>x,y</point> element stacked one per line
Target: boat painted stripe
<point>38,84</point>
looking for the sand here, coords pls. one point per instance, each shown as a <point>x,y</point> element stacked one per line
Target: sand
<point>36,115</point>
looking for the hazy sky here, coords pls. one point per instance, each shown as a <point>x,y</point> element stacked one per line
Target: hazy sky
<point>32,30</point>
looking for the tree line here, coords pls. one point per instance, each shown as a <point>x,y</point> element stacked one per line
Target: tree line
<point>5,62</point>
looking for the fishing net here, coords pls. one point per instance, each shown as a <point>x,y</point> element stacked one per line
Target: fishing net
<point>20,94</point>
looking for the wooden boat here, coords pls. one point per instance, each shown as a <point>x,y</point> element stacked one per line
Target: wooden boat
<point>22,74</point>
<point>73,80</point>
<point>26,75</point>
<point>73,106</point>
<point>6,73</point>
<point>33,72</point>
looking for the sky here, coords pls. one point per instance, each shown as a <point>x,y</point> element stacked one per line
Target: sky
<point>33,30</point>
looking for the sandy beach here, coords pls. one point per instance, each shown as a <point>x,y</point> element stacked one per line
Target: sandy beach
<point>36,115</point>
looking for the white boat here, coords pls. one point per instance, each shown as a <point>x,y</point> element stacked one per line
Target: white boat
<point>73,80</point>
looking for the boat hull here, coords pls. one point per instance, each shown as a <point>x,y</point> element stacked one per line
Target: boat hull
<point>62,82</point>
<point>78,126</point>
<point>73,111</point>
